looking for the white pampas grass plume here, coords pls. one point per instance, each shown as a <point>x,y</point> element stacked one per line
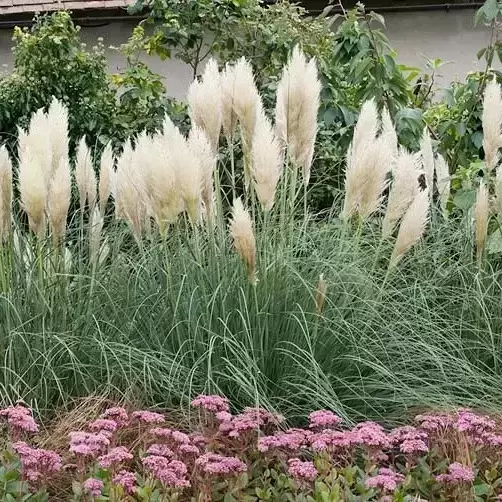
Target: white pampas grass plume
<point>5,194</point>
<point>498,189</point>
<point>160,178</point>
<point>412,226</point>
<point>320,295</point>
<point>228,115</point>
<point>130,190</point>
<point>59,200</point>
<point>241,231</point>
<point>189,177</point>
<point>403,191</point>
<point>204,101</point>
<point>266,162</point>
<point>492,122</point>
<point>84,176</point>
<point>366,178</point>
<point>442,181</point>
<point>57,118</point>
<point>246,100</point>
<point>298,97</point>
<point>389,132</point>
<point>367,125</point>
<point>106,177</point>
<point>200,146</point>
<point>37,141</point>
<point>481,215</point>
<point>33,190</point>
<point>369,158</point>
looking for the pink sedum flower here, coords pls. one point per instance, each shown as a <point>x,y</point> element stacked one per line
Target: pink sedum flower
<point>329,440</point>
<point>457,474</point>
<point>370,434</point>
<point>212,403</point>
<point>214,464</point>
<point>386,479</point>
<point>115,457</point>
<point>161,450</point>
<point>434,422</point>
<point>20,419</point>
<point>305,471</point>
<point>87,444</point>
<point>148,417</point>
<point>103,424</point>
<point>323,418</point>
<point>473,424</point>
<point>161,432</point>
<point>291,440</point>
<point>180,437</point>
<point>127,480</point>
<point>93,487</point>
<point>171,473</point>
<point>117,414</point>
<point>188,449</point>
<point>37,463</point>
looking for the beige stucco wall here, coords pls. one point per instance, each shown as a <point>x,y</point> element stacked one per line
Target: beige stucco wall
<point>450,36</point>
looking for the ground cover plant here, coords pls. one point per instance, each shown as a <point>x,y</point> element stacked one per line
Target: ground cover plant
<point>179,273</point>
<point>120,455</point>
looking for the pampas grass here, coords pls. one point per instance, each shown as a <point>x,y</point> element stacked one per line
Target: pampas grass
<point>84,176</point>
<point>205,103</point>
<point>241,231</point>
<point>266,162</point>
<point>492,123</point>
<point>59,199</point>
<point>412,227</point>
<point>403,191</point>
<point>298,97</point>
<point>369,159</point>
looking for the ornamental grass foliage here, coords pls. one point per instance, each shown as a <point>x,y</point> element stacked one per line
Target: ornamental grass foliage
<point>126,455</point>
<point>169,271</point>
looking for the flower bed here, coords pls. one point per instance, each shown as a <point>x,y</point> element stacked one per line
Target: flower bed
<point>133,455</point>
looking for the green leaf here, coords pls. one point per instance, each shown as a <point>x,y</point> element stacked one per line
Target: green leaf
<point>482,489</point>
<point>481,53</point>
<point>488,11</point>
<point>464,199</point>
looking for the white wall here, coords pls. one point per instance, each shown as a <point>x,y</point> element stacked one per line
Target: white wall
<point>450,36</point>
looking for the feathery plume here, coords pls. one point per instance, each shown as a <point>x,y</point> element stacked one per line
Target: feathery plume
<point>106,177</point>
<point>367,126</point>
<point>442,181</point>
<point>369,158</point>
<point>481,215</point>
<point>33,190</point>
<point>228,116</point>
<point>204,100</point>
<point>35,140</point>
<point>404,189</point>
<point>5,194</point>
<point>84,176</point>
<point>130,190</point>
<point>389,132</point>
<point>57,119</point>
<point>498,189</point>
<point>366,178</point>
<point>298,97</point>
<point>320,295</point>
<point>246,100</point>
<point>160,183</point>
<point>266,162</point>
<point>412,226</point>
<point>59,199</point>
<point>427,160</point>
<point>241,231</point>
<point>188,172</point>
<point>200,146</point>
<point>492,122</point>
